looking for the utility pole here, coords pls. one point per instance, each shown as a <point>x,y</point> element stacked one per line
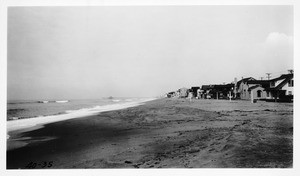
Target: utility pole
<point>268,75</point>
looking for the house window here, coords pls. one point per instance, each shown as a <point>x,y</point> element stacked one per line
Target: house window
<point>268,94</point>
<point>291,83</point>
<point>272,84</point>
<point>259,93</point>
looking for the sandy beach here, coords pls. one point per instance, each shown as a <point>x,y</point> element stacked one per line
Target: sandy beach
<point>164,133</point>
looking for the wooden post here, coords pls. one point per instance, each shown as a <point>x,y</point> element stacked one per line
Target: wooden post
<point>252,98</point>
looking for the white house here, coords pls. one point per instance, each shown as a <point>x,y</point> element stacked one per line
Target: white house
<point>281,88</point>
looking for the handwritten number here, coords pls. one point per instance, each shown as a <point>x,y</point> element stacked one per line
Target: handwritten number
<point>50,164</point>
<point>44,164</point>
<point>33,165</point>
<point>29,165</point>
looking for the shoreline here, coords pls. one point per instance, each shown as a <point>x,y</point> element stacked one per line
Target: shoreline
<point>166,133</point>
<point>13,125</point>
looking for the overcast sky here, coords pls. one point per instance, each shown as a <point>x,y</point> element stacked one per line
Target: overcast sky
<point>93,52</point>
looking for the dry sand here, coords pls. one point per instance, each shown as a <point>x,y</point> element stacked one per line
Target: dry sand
<point>165,133</point>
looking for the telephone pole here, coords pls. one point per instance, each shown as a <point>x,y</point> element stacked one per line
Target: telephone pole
<point>268,75</point>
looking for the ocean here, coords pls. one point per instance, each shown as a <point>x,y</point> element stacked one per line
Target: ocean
<point>20,109</point>
<point>26,114</point>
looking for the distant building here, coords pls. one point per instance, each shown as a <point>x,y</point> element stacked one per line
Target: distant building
<point>195,91</point>
<point>253,88</point>
<point>191,95</point>
<point>205,91</point>
<point>257,92</point>
<point>222,91</point>
<point>239,87</point>
<point>278,89</point>
<point>217,91</point>
<point>170,94</point>
<point>281,89</point>
<point>183,92</point>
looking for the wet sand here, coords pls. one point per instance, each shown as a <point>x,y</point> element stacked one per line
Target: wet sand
<point>164,133</point>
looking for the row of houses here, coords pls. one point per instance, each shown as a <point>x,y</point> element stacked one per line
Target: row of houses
<point>279,89</point>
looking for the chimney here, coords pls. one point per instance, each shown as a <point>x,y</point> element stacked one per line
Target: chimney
<point>291,71</point>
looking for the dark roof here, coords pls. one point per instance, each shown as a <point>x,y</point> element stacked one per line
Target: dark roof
<point>286,78</point>
<point>244,80</point>
<point>264,83</point>
<point>195,88</point>
<point>224,86</point>
<point>217,86</point>
<point>206,87</point>
<point>259,82</point>
<point>253,87</point>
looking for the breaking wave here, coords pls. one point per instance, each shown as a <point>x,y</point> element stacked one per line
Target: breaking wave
<point>40,101</point>
<point>62,101</point>
<point>56,101</point>
<point>70,114</point>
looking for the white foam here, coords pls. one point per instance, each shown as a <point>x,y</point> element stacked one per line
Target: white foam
<point>62,101</point>
<point>30,122</point>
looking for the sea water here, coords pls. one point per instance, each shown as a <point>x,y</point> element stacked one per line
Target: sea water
<point>20,109</point>
<point>23,114</point>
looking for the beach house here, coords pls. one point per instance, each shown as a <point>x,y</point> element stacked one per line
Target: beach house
<point>257,92</point>
<point>281,89</point>
<point>206,91</point>
<point>183,92</point>
<point>251,88</point>
<point>170,94</point>
<point>195,91</point>
<point>222,91</point>
<point>239,88</point>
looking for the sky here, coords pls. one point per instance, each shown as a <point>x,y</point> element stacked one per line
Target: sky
<point>142,51</point>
